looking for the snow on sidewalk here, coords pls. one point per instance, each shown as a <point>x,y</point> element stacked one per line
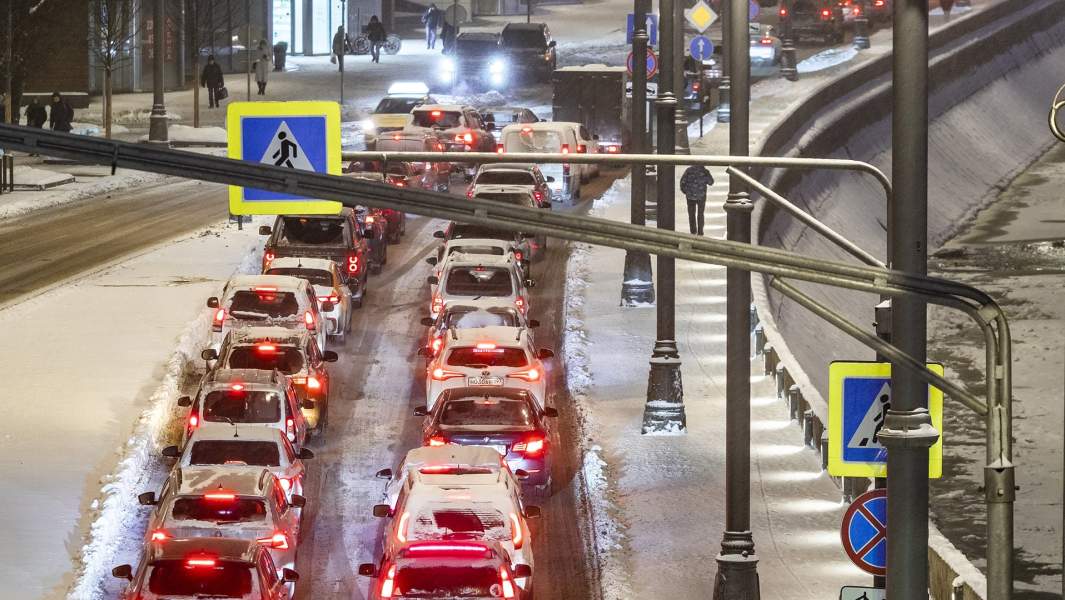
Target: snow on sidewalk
<point>86,361</point>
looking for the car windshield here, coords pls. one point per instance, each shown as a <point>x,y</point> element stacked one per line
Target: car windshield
<point>220,579</point>
<point>313,276</point>
<point>266,357</point>
<point>513,199</point>
<point>533,141</point>
<point>479,281</point>
<point>474,520</point>
<point>487,410</point>
<point>224,508</point>
<point>257,305</point>
<point>489,357</point>
<point>242,406</point>
<point>312,230</point>
<point>523,38</point>
<point>492,250</point>
<point>471,319</point>
<point>224,452</point>
<point>397,105</point>
<point>501,177</point>
<point>447,581</point>
<point>437,118</point>
<point>475,46</point>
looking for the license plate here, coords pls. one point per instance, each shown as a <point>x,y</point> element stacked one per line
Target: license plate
<point>500,449</point>
<point>471,381</point>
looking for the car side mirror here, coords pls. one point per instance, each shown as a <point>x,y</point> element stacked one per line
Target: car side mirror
<point>384,474</point>
<point>521,474</point>
<point>330,356</point>
<point>427,321</point>
<point>212,302</point>
<point>368,570</point>
<point>171,452</point>
<point>297,501</point>
<point>308,404</point>
<point>543,353</point>
<point>550,411</point>
<point>529,283</point>
<point>209,354</point>
<point>421,411</point>
<point>532,512</point>
<point>433,280</point>
<point>549,179</point>
<point>328,306</point>
<point>533,323</point>
<point>123,572</point>
<point>147,499</point>
<point>552,44</point>
<point>265,230</point>
<point>382,510</point>
<point>305,454</point>
<point>431,260</point>
<point>289,576</point>
<point>521,571</point>
<point>184,401</point>
<point>438,234</point>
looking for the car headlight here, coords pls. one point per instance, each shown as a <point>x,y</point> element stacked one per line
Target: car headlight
<point>368,126</point>
<point>447,65</point>
<point>497,66</point>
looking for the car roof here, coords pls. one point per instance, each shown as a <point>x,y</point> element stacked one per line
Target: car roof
<point>206,478</point>
<point>293,262</point>
<point>498,334</point>
<point>479,242</point>
<point>453,454</point>
<point>461,259</point>
<point>509,166</point>
<point>525,26</point>
<point>210,431</point>
<point>246,376</point>
<point>447,107</point>
<point>224,548</point>
<point>284,283</point>
<point>280,335</point>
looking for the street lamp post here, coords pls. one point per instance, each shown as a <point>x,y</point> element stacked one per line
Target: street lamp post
<point>737,570</point>
<point>344,24</point>
<point>680,118</point>
<point>664,411</point>
<point>247,33</point>
<point>789,68</point>
<point>637,285</point>
<point>157,120</point>
<point>724,87</point>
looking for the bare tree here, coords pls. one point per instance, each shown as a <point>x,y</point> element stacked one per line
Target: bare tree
<point>30,49</point>
<point>205,22</point>
<point>113,32</point>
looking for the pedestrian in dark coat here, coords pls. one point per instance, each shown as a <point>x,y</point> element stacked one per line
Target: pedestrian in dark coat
<point>211,78</point>
<point>61,114</point>
<point>375,31</point>
<point>432,18</point>
<point>693,184</point>
<point>338,47</point>
<point>36,115</point>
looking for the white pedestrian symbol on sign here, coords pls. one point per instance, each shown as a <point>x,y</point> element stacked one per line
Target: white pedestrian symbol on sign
<point>285,151</point>
<point>865,436</point>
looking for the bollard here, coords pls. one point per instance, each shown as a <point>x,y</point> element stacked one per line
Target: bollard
<point>808,428</point>
<point>823,449</point>
<point>769,360</point>
<point>759,340</point>
<point>794,401</point>
<point>957,589</point>
<point>7,173</point>
<point>781,374</point>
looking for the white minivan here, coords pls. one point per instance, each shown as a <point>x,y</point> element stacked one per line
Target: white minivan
<point>554,137</point>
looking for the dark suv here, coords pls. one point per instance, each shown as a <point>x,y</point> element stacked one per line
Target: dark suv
<point>479,61</point>
<point>339,238</point>
<point>530,50</point>
<point>817,18</point>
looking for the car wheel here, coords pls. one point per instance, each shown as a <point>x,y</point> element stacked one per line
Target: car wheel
<point>357,302</point>
<point>347,324</point>
<point>375,268</point>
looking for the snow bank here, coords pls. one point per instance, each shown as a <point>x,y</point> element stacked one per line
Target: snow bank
<point>18,203</point>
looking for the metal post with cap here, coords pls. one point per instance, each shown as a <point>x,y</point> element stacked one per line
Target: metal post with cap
<point>789,67</point>
<point>157,127</point>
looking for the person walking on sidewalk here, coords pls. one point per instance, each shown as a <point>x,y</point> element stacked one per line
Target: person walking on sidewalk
<point>211,78</point>
<point>693,184</point>
<point>339,47</point>
<point>431,18</point>
<point>36,116</point>
<point>263,66</point>
<point>61,114</point>
<point>375,31</point>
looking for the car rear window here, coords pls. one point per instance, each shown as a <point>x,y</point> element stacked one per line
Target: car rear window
<point>226,510</point>
<point>313,276</point>
<point>489,357</point>
<point>396,105</point>
<point>533,141</point>
<point>266,357</point>
<point>502,412</point>
<point>463,230</point>
<point>479,281</point>
<point>476,520</point>
<point>312,231</point>
<point>513,199</point>
<point>492,250</point>
<point>242,406</point>
<point>436,580</point>
<point>222,452</point>
<point>481,318</point>
<point>524,38</point>
<point>505,178</point>
<point>257,305</point>
<point>224,579</point>
<point>437,118</point>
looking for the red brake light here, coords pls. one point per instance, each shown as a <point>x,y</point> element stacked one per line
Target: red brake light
<point>313,383</point>
<point>582,149</point>
<point>468,138</point>
<point>565,148</point>
<point>278,540</point>
<point>220,496</point>
<point>219,318</point>
<point>436,469</point>
<point>878,3</point>
<point>290,429</point>
<point>308,318</point>
<point>265,289</point>
<point>515,534</point>
<point>441,374</point>
<point>520,302</point>
<point>499,148</point>
<point>401,527</point>
<point>194,421</point>
<point>395,136</point>
<point>857,10</point>
<point>369,219</point>
<point>332,298</point>
<point>528,375</point>
<point>504,580</point>
<point>517,253</point>
<point>616,149</point>
<point>766,41</point>
<point>437,342</point>
<point>436,113</point>
<point>237,387</point>
<point>526,129</point>
<point>266,348</point>
<point>783,11</point>
<point>486,346</point>
<point>268,257</point>
<point>437,440</point>
<point>390,579</point>
<point>438,303</point>
<point>825,13</point>
<point>200,562</point>
<point>160,535</point>
<point>531,446</point>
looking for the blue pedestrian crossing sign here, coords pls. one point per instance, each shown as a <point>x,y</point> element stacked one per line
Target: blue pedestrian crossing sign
<point>859,396</point>
<point>294,135</point>
<point>701,47</point>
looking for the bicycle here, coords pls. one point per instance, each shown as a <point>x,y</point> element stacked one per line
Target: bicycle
<point>360,44</point>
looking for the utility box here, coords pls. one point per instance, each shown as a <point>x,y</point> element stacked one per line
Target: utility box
<point>594,96</point>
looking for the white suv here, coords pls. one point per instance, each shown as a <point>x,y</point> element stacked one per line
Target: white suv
<point>473,276</point>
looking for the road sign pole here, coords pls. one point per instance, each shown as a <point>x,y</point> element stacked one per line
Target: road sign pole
<point>737,574</point>
<point>637,285</point>
<point>789,69</point>
<point>725,86</point>
<point>680,118</point>
<point>882,326</point>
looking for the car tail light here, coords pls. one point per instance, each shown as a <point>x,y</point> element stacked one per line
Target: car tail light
<point>286,483</point>
<point>538,195</point>
<point>766,41</point>
<point>614,148</point>
<point>278,540</point>
<point>266,348</point>
<point>486,346</point>
<point>528,375</point>
<point>878,3</point>
<point>237,387</point>
<point>290,429</point>
<point>353,263</point>
<point>520,302</point>
<point>506,583</point>
<point>265,288</point>
<point>464,138</point>
<point>582,149</point>
<point>395,136</point>
<point>857,10</point>
<point>219,318</point>
<point>695,88</point>
<point>313,383</point>
<point>194,421</point>
<point>499,149</point>
<point>370,219</point>
<point>565,148</point>
<point>783,11</point>
<point>437,342</point>
<point>469,193</point>
<point>299,380</point>
<point>389,583</point>
<point>200,562</point>
<point>438,303</point>
<point>220,496</point>
<point>531,446</point>
<point>160,535</point>
<point>401,527</point>
<point>437,440</point>
<point>308,319</point>
<point>331,298</point>
<point>268,257</point>
<point>518,255</point>
<point>516,535</point>
<point>441,374</point>
<point>826,14</point>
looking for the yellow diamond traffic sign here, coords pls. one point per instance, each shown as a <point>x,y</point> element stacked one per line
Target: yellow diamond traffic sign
<point>700,16</point>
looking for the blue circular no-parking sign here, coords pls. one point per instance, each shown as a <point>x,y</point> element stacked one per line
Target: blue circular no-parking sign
<point>864,532</point>
<point>652,63</point>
